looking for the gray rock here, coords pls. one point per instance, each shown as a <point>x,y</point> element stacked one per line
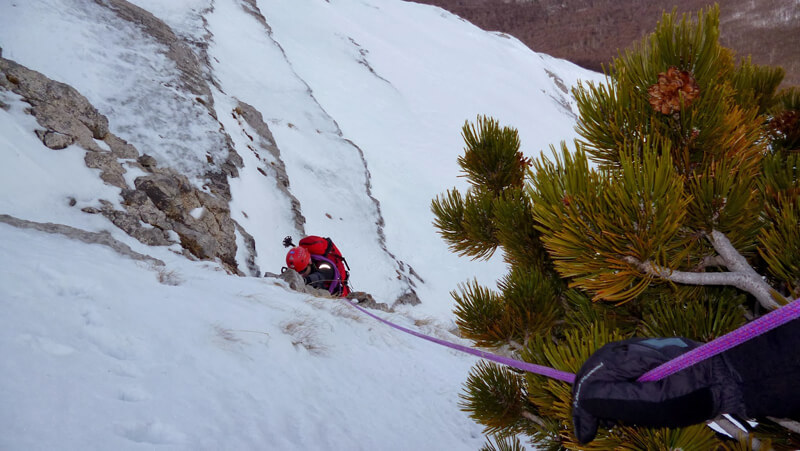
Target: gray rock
<point>159,202</point>
<point>103,238</point>
<point>408,298</point>
<point>121,148</point>
<point>296,283</point>
<point>266,141</point>
<point>55,140</point>
<point>58,107</point>
<point>366,300</point>
<point>250,248</point>
<point>110,168</point>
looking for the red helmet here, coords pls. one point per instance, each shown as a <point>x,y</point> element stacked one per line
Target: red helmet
<point>298,258</point>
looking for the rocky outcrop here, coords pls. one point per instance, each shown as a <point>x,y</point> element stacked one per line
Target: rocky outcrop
<point>192,78</point>
<point>296,283</point>
<point>160,203</point>
<point>367,301</point>
<point>102,238</point>
<point>264,140</point>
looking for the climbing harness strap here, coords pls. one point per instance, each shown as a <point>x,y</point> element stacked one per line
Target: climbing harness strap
<point>750,330</point>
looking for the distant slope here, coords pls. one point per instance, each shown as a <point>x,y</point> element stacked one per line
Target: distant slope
<point>590,32</point>
<point>338,119</point>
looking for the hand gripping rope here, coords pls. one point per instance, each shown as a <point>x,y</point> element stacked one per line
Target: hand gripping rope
<point>750,330</point>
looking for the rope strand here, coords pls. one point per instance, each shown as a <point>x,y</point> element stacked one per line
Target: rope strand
<point>753,329</point>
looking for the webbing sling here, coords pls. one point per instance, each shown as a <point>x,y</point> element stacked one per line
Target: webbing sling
<point>750,330</point>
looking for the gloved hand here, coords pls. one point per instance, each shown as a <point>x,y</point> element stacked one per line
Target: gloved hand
<point>287,241</point>
<point>606,388</point>
<point>754,379</point>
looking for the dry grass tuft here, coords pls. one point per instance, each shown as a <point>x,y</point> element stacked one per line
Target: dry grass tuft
<point>168,277</point>
<point>303,332</point>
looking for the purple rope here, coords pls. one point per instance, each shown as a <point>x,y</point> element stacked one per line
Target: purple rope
<point>750,330</point>
<point>525,366</point>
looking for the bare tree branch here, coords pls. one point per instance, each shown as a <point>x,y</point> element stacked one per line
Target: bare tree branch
<point>712,261</point>
<point>791,425</point>
<point>741,274</point>
<point>533,418</point>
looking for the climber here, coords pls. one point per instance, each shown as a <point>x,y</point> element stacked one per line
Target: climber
<point>755,379</point>
<point>320,263</point>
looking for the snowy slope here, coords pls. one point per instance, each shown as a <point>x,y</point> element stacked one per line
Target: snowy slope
<point>99,355</point>
<point>365,100</point>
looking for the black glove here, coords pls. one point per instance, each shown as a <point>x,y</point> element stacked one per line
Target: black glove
<point>754,379</point>
<point>606,388</point>
<point>287,242</point>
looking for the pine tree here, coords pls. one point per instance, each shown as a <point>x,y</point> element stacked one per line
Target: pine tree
<point>677,213</point>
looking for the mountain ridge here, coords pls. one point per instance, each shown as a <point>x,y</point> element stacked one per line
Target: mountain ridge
<point>591,32</point>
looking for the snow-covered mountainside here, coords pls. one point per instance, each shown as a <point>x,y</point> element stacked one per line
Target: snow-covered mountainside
<point>154,154</point>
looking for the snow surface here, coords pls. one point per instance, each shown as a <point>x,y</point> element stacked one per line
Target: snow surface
<point>365,100</point>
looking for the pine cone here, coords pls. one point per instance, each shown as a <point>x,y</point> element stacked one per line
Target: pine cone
<point>673,86</point>
<point>784,123</point>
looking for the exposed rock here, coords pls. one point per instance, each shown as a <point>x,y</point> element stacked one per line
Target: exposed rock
<point>110,168</point>
<point>266,141</point>
<point>250,248</point>
<point>147,162</point>
<point>192,79</point>
<point>366,300</point>
<point>55,140</point>
<point>186,61</point>
<point>210,235</point>
<point>132,225</point>
<point>160,202</point>
<point>63,112</point>
<point>296,283</point>
<point>252,8</point>
<point>104,238</point>
<point>408,298</point>
<point>121,148</point>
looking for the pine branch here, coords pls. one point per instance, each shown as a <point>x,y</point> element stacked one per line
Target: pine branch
<point>791,425</point>
<point>712,261</point>
<point>741,276</point>
<point>753,282</point>
<point>534,418</point>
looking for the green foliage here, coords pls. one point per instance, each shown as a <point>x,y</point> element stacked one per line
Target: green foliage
<point>604,238</point>
<point>479,314</point>
<point>495,397</point>
<point>701,314</point>
<point>521,241</point>
<point>780,242</point>
<point>756,85</point>
<point>495,169</point>
<point>697,437</point>
<point>592,222</point>
<point>501,443</point>
<point>465,224</point>
<point>492,160</point>
<point>524,308</point>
